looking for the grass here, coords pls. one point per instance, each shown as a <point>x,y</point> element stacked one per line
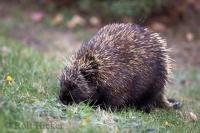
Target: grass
<point>29,102</point>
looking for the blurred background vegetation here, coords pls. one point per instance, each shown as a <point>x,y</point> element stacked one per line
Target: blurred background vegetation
<point>115,10</point>
<point>178,21</point>
<point>135,10</point>
<point>142,11</point>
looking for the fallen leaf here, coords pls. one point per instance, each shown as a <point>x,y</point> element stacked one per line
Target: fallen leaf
<point>57,19</point>
<point>75,20</point>
<point>94,21</point>
<point>37,16</point>
<point>193,116</point>
<point>189,36</point>
<point>157,26</point>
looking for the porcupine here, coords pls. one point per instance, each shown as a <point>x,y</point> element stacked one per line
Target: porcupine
<point>121,65</point>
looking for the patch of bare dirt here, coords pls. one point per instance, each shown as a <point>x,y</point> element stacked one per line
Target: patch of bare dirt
<point>185,53</point>
<point>56,42</point>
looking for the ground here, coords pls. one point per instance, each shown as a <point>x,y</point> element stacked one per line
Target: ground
<point>31,58</point>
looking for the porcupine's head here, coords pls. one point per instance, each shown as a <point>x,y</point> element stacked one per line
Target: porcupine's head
<point>77,83</point>
<point>73,86</point>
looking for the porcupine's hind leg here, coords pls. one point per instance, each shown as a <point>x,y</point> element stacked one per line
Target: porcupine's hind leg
<point>159,99</point>
<point>162,102</point>
<point>155,98</point>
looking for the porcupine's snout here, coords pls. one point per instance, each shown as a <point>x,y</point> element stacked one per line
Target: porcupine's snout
<point>74,88</point>
<point>65,94</point>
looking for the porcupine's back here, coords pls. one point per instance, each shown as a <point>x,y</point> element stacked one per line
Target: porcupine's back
<point>127,61</point>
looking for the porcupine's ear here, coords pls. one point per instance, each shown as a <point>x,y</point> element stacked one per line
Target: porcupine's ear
<point>91,68</point>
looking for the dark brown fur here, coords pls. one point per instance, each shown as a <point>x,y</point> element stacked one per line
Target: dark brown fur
<point>121,65</point>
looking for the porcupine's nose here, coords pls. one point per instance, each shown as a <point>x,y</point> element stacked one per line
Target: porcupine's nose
<point>65,90</point>
<point>62,99</point>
